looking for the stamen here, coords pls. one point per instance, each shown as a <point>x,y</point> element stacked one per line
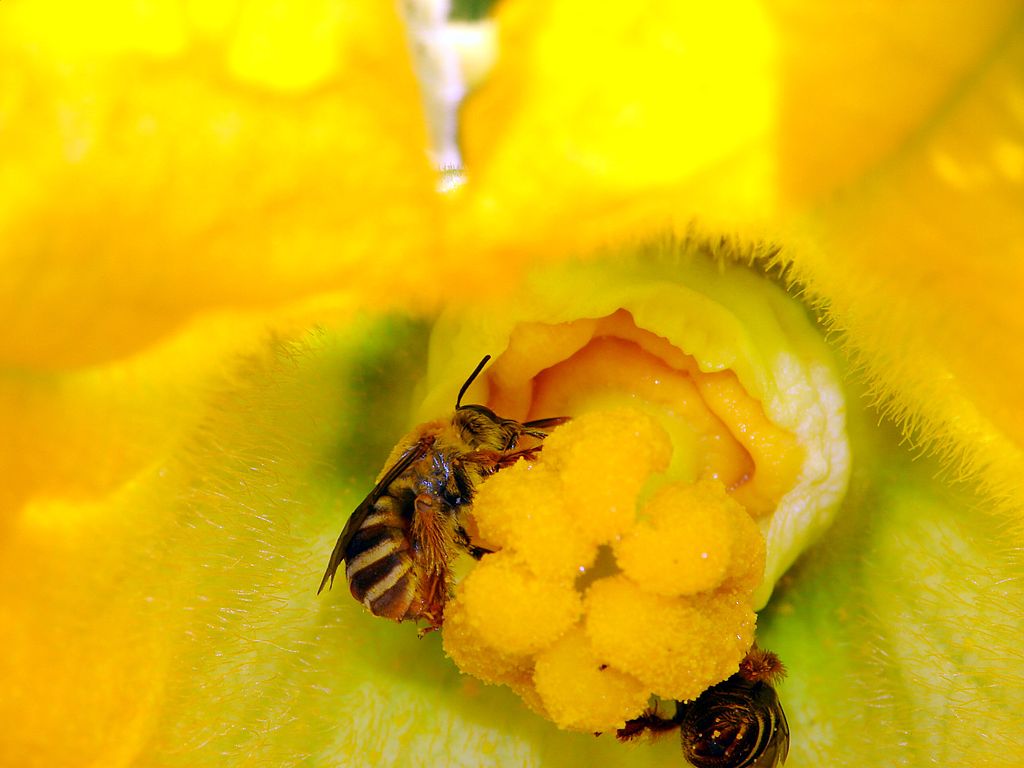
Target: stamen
<point>672,617</point>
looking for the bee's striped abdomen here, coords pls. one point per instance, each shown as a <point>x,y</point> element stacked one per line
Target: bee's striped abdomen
<point>379,564</point>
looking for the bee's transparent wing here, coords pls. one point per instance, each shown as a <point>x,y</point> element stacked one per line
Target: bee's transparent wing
<point>778,726</point>
<point>355,520</point>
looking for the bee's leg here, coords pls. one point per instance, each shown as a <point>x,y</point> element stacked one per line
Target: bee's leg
<point>491,461</point>
<point>540,427</point>
<point>650,721</point>
<point>435,594</point>
<point>430,536</point>
<point>530,454</point>
<point>462,538</point>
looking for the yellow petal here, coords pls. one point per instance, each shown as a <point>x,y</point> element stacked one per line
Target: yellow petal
<point>77,436</point>
<point>594,124</point>
<point>907,617</point>
<point>921,267</point>
<point>917,116</point>
<point>160,159</point>
<point>859,80</point>
<point>129,612</point>
<point>86,646</point>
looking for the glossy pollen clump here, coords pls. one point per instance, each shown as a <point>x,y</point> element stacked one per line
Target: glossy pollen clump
<point>610,583</point>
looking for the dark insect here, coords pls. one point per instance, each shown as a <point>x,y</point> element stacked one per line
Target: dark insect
<point>398,542</point>
<point>738,723</point>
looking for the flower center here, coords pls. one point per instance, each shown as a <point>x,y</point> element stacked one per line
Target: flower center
<point>670,613</point>
<point>706,450</point>
<point>717,429</point>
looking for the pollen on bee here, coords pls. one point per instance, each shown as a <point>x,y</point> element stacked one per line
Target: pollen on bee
<point>611,583</point>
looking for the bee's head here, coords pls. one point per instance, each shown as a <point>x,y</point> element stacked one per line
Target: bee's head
<point>481,427</point>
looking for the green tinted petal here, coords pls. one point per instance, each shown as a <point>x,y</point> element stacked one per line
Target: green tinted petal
<point>259,669</point>
<point>919,264</point>
<point>901,628</point>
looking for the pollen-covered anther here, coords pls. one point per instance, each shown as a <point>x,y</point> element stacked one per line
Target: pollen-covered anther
<point>540,532</point>
<point>677,647</point>
<point>604,460</point>
<point>513,610</point>
<point>667,611</point>
<point>691,538</point>
<point>580,691</point>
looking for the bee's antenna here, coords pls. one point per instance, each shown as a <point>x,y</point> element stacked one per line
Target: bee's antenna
<point>472,377</point>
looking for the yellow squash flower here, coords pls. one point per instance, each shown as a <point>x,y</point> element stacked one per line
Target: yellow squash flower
<point>186,188</point>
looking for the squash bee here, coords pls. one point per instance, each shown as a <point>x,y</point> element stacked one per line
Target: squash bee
<point>738,723</point>
<point>398,542</point>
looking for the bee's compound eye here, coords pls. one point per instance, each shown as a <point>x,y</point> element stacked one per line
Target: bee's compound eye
<point>480,427</point>
<point>471,422</point>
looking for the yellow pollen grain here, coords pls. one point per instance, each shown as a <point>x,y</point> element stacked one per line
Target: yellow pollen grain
<point>581,692</point>
<point>746,566</point>
<point>677,647</point>
<point>541,532</point>
<point>604,460</point>
<point>477,658</point>
<point>686,543</point>
<point>511,609</point>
